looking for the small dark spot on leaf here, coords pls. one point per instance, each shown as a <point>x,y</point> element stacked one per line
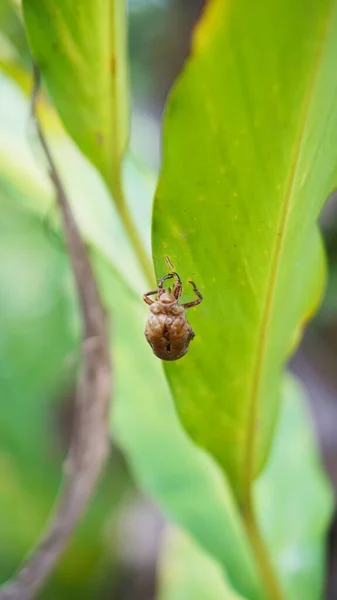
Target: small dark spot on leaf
<point>113,65</point>
<point>99,138</point>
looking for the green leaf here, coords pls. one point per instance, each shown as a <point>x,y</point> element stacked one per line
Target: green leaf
<point>249,156</point>
<point>25,179</point>
<point>179,476</point>
<point>13,70</point>
<point>188,573</point>
<point>182,479</point>
<point>38,354</point>
<point>13,40</point>
<point>81,49</point>
<point>294,500</point>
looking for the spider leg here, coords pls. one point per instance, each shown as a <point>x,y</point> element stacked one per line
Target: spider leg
<point>194,302</point>
<point>177,290</point>
<point>169,276</point>
<point>146,297</point>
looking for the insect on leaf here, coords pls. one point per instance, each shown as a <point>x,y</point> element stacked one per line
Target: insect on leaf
<point>249,157</point>
<point>184,481</point>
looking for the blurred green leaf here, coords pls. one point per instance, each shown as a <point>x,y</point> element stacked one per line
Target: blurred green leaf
<point>81,50</point>
<point>35,339</point>
<point>24,177</point>
<point>14,71</point>
<point>38,356</point>
<point>249,156</point>
<point>38,361</point>
<point>34,296</point>
<point>12,35</point>
<point>294,500</point>
<point>188,573</point>
<point>97,217</point>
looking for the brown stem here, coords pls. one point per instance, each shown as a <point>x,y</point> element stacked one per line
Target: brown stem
<point>90,442</point>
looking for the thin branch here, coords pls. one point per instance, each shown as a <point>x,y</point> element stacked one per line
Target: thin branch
<point>90,441</point>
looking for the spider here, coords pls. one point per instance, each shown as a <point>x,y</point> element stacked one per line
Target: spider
<point>167,329</point>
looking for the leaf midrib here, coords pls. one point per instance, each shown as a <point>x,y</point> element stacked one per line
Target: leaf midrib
<point>249,452</point>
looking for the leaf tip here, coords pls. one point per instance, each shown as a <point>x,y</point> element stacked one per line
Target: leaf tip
<point>210,19</point>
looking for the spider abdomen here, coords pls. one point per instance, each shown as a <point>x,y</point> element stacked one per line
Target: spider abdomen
<point>168,333</point>
<point>167,329</point>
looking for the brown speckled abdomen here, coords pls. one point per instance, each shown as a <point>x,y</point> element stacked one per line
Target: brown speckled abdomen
<point>167,330</point>
<point>169,336</point>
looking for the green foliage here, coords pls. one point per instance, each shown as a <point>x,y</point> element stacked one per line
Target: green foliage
<point>38,353</point>
<point>293,524</point>
<point>187,573</point>
<point>13,45</point>
<point>293,499</point>
<point>183,479</point>
<point>80,48</point>
<point>248,159</point>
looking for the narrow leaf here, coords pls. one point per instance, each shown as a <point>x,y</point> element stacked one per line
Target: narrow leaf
<point>249,156</point>
<point>188,573</point>
<point>294,500</point>
<point>81,50</point>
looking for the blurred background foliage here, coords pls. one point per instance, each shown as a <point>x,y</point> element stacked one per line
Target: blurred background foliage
<point>39,332</point>
<point>39,339</point>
